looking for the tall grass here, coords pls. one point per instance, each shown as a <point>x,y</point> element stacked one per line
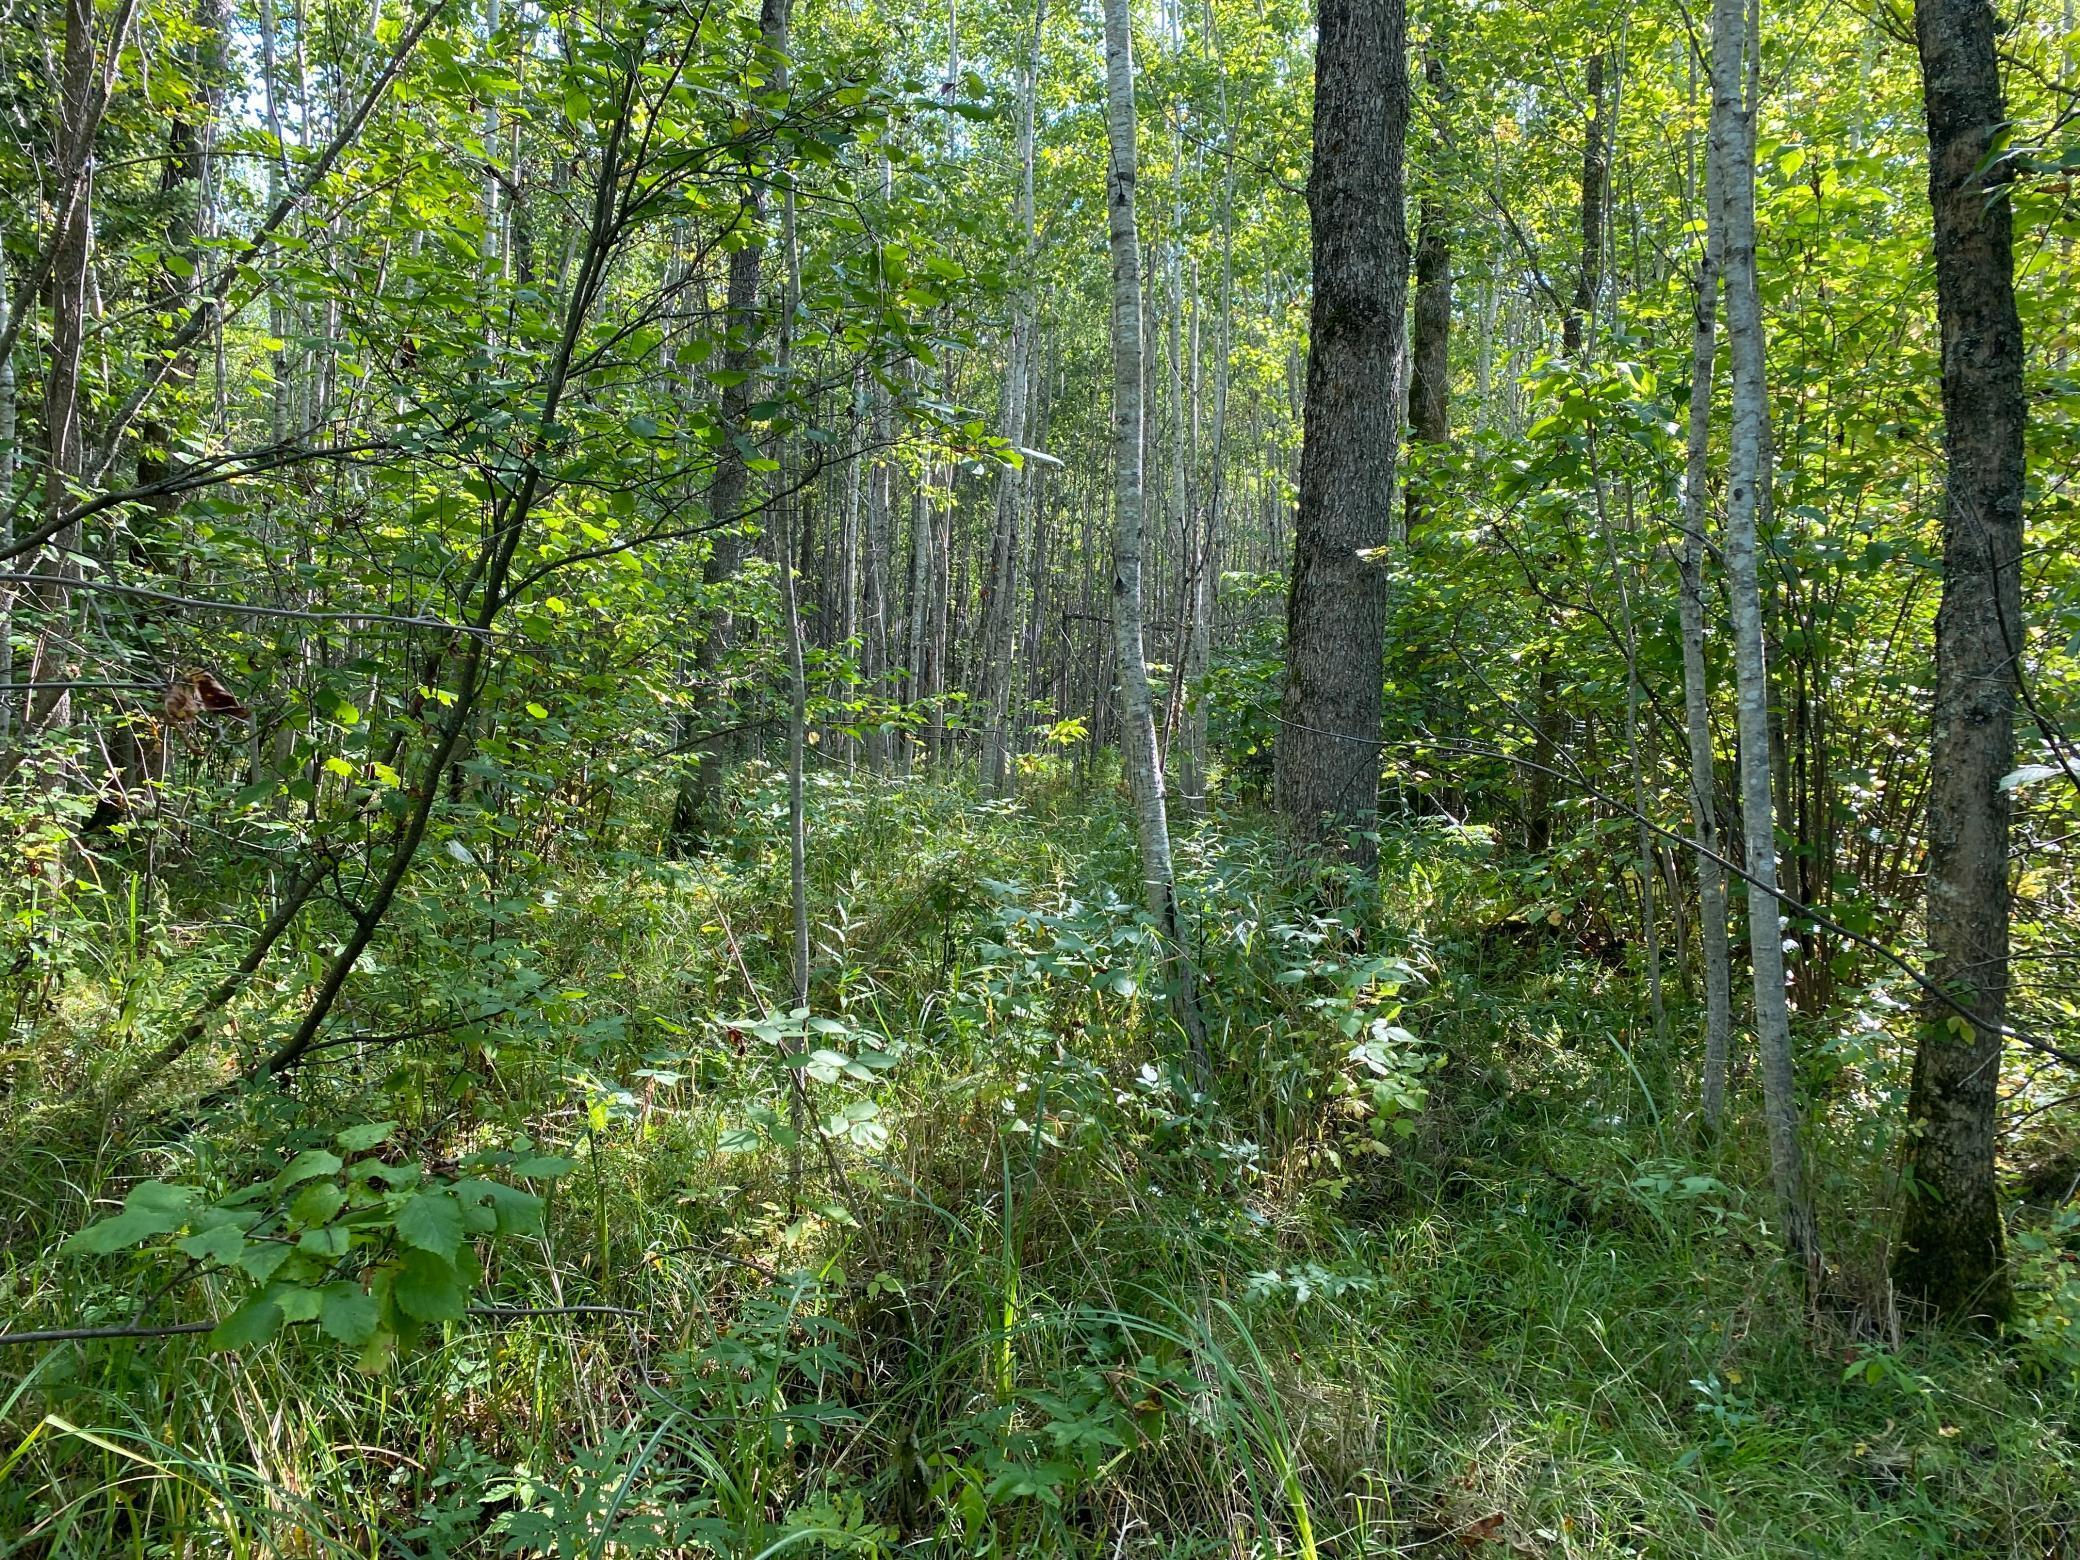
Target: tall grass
<point>1037,1299</point>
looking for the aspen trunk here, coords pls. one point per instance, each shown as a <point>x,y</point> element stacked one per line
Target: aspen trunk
<point>1000,605</point>
<point>1137,740</point>
<point>1430,363</point>
<point>1735,149</point>
<point>1951,1255</point>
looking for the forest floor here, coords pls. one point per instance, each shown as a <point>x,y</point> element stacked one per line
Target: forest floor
<point>1442,1269</point>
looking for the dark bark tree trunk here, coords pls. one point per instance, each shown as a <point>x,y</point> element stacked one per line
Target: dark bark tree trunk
<point>1430,368</point>
<point>1951,1255</point>
<point>1329,743</point>
<point>700,798</point>
<point>1580,318</point>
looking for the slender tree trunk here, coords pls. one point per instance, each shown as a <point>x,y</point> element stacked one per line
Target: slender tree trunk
<point>1328,748</point>
<point>1430,361</point>
<point>72,251</point>
<point>1000,607</point>
<point>1731,111</point>
<point>878,575</point>
<point>1580,318</point>
<point>1137,739</point>
<point>1192,767</point>
<point>698,804</point>
<point>1951,1255</point>
<point>1697,697</point>
<point>10,460</point>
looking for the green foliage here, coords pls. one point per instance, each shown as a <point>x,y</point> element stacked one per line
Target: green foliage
<point>371,1246</point>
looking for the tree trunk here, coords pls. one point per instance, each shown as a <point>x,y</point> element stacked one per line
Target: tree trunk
<point>1697,696</point>
<point>1430,364</point>
<point>72,250</point>
<point>1731,113</point>
<point>699,801</point>
<point>1137,739</point>
<point>1000,605</point>
<point>1951,1255</point>
<point>1328,748</point>
<point>1580,318</point>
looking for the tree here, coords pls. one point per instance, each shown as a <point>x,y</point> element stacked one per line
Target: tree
<point>1430,360</point>
<point>694,809</point>
<point>1697,695</point>
<point>1733,108</point>
<point>1951,1255</point>
<point>1328,749</point>
<point>1000,605</point>
<point>1137,740</point>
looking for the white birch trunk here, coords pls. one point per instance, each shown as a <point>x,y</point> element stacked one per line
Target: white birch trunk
<point>1732,141</point>
<point>1137,738</point>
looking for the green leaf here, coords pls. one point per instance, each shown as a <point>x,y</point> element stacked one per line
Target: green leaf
<point>252,1323</point>
<point>327,1240</point>
<point>359,1140</point>
<point>153,1208</point>
<point>262,1259</point>
<point>429,1289</point>
<point>347,1313</point>
<point>221,1245</point>
<point>516,1212</point>
<point>432,1221</point>
<point>298,1304</point>
<point>308,1165</point>
<point>543,1167</point>
<point>317,1203</point>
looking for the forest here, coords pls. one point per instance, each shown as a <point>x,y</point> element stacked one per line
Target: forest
<point>1168,778</point>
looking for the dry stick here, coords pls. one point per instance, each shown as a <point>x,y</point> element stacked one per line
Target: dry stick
<point>498,1313</point>
<point>1797,908</point>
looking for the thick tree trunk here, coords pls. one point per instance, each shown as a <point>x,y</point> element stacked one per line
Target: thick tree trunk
<point>1951,1255</point>
<point>1697,697</point>
<point>1735,149</point>
<point>1328,748</point>
<point>1137,739</point>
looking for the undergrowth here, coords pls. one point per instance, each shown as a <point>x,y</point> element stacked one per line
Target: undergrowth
<point>955,1263</point>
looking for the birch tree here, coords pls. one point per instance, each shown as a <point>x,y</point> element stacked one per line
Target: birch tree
<point>1732,131</point>
<point>1137,736</point>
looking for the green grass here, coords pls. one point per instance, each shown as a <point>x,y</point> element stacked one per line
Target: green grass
<point>1035,1301</point>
